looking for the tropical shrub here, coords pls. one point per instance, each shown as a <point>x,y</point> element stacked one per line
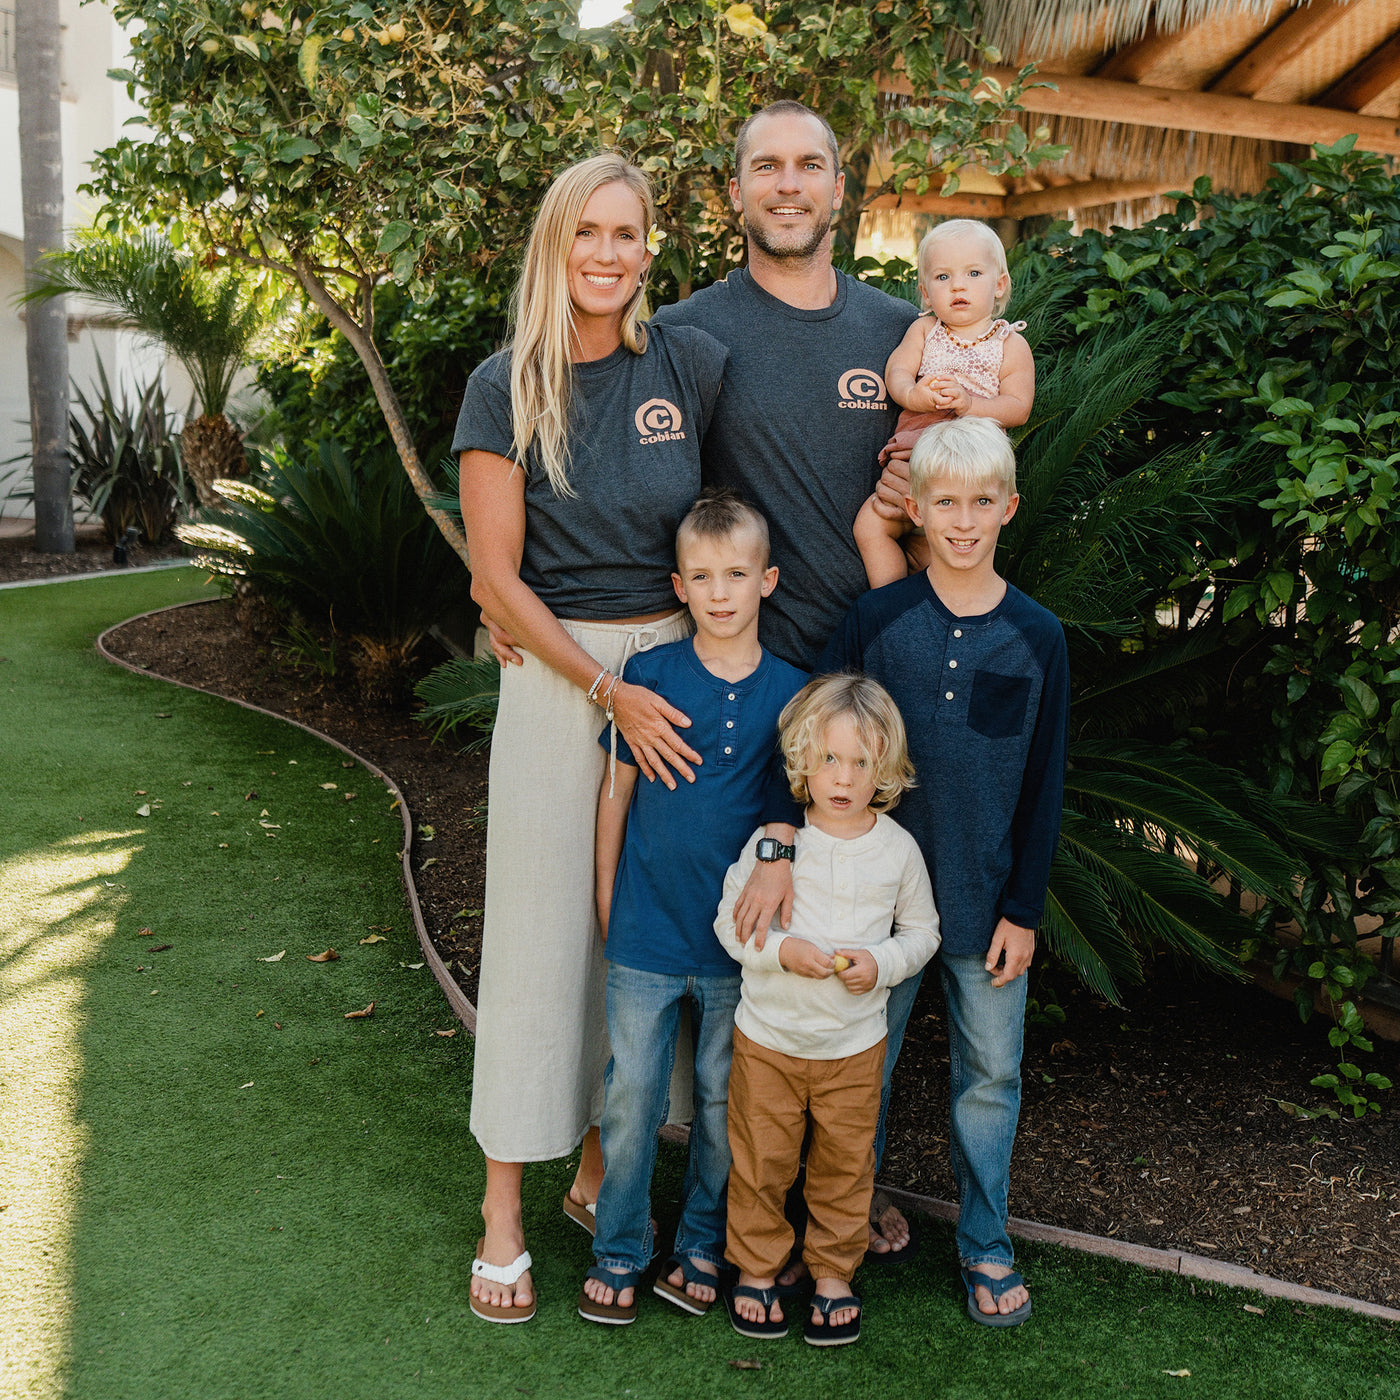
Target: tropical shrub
<point>212,319</point>
<point>1284,340</point>
<point>344,549</point>
<point>126,469</point>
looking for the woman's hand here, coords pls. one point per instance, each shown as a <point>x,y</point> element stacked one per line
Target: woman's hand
<point>648,724</point>
<point>503,645</point>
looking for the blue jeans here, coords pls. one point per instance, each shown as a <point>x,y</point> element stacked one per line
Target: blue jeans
<point>644,1011</point>
<point>985,1030</point>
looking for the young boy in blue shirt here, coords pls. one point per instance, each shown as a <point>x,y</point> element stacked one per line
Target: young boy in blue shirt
<point>981,675</point>
<point>662,855</point>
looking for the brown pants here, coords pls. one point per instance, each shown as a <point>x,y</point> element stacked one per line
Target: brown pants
<point>770,1098</point>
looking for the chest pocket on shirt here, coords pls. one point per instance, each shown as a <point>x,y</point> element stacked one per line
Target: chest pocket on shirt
<point>997,707</point>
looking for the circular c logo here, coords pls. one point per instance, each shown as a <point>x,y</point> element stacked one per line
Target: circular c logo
<point>861,384</point>
<point>657,416</point>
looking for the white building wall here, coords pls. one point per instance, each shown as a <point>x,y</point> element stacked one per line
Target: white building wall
<point>94,112</point>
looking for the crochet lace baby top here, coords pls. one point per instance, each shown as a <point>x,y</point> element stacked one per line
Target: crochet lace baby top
<point>976,364</point>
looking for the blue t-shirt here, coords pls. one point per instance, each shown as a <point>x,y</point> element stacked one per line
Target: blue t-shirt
<point>680,843</point>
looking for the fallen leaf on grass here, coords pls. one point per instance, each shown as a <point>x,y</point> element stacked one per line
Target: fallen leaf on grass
<point>143,933</point>
<point>276,957</point>
<point>347,763</point>
<point>162,714</point>
<point>426,833</point>
<point>140,792</point>
<point>223,845</point>
<point>1250,1308</point>
<point>1176,1373</point>
<point>360,1015</point>
<point>350,796</point>
<point>330,955</point>
<point>144,810</point>
<point>743,1363</point>
<point>260,1013</point>
<point>445,1034</point>
<point>248,1085</point>
<point>271,826</point>
<point>264,813</point>
<point>249,796</point>
<point>431,860</point>
<point>330,787</point>
<point>162,947</point>
<point>278,1024</point>
<point>375,938</point>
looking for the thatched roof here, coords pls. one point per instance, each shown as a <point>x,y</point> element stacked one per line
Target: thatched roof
<point>1151,94</point>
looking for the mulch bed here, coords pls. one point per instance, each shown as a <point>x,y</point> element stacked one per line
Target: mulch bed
<point>20,561</point>
<point>1158,1122</point>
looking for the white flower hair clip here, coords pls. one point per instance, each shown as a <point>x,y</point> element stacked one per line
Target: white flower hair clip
<point>655,238</point>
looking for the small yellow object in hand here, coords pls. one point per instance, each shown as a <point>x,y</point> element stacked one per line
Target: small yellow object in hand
<point>842,963</point>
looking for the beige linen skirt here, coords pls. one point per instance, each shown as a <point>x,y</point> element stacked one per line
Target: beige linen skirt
<point>541,1035</point>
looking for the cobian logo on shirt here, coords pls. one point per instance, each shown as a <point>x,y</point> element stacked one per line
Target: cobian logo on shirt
<point>658,420</point>
<point>861,388</point>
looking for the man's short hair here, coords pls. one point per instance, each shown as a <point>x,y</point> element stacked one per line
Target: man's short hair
<point>719,512</point>
<point>785,107</point>
<point>968,451</point>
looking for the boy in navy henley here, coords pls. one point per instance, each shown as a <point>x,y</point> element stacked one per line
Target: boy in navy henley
<point>981,676</point>
<point>662,855</point>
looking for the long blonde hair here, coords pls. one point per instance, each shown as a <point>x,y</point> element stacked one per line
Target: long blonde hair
<point>542,316</point>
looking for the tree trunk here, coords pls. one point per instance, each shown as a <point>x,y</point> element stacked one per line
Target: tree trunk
<point>211,448</point>
<point>37,50</point>
<point>389,404</point>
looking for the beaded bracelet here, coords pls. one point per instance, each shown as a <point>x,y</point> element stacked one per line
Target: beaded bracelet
<point>593,689</point>
<point>607,699</point>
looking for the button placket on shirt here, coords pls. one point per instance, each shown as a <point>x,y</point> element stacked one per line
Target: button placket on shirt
<point>728,727</point>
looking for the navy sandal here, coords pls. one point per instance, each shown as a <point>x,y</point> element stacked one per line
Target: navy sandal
<point>690,1273</point>
<point>974,1278</point>
<point>764,1331</point>
<point>827,1334</point>
<point>612,1314</point>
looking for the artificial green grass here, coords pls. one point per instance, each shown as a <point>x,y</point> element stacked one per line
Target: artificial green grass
<point>201,1204</point>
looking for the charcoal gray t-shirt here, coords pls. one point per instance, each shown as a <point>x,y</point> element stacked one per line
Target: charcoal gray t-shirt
<point>635,424</point>
<point>799,430</point>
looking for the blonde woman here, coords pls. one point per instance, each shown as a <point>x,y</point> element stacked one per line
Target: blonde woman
<point>580,453</point>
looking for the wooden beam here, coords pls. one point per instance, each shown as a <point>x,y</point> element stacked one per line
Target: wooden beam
<point>1371,77</point>
<point>1279,47</point>
<point>1100,99</point>
<point>1133,62</point>
<point>952,206</point>
<point>1083,195</point>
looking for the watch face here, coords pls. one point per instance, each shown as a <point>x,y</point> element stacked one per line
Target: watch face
<point>767,848</point>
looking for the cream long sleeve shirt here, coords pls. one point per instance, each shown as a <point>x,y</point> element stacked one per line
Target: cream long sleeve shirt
<point>869,891</point>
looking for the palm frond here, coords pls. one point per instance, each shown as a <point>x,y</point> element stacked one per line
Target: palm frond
<point>210,318</point>
<point>461,692</point>
<point>1080,929</point>
<point>1156,899</point>
<point>1170,801</point>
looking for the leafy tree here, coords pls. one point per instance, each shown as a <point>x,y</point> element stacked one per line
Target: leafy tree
<point>345,144</point>
<point>210,318</point>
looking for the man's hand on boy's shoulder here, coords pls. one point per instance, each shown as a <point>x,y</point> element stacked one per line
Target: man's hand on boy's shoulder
<point>1011,952</point>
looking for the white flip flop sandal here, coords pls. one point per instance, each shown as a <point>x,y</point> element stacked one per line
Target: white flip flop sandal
<point>508,1275</point>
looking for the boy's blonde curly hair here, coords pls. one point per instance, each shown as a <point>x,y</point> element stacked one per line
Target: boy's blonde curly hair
<point>802,732</point>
